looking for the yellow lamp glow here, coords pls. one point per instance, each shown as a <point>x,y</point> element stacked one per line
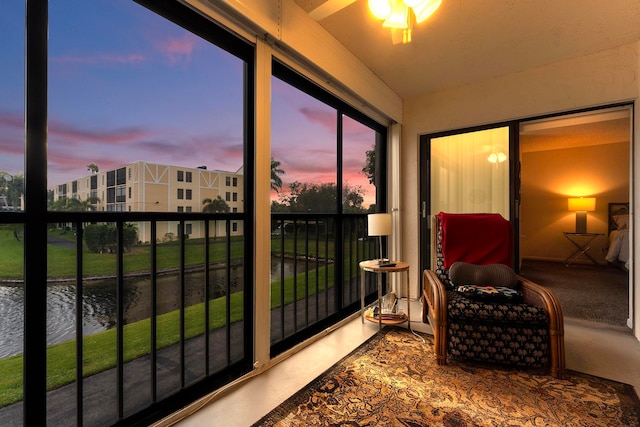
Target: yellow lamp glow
<point>581,205</point>
<point>399,17</point>
<point>381,9</point>
<point>587,204</point>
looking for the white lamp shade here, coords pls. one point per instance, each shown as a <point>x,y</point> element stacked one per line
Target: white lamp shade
<point>399,17</point>
<point>425,9</point>
<point>381,9</point>
<point>379,224</point>
<point>587,204</point>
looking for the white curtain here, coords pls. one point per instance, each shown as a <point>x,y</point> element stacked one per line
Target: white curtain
<point>470,172</point>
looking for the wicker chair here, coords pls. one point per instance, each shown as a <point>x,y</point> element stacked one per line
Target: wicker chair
<point>529,333</point>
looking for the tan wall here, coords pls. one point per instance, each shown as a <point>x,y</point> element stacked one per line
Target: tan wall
<point>547,178</point>
<point>600,79</point>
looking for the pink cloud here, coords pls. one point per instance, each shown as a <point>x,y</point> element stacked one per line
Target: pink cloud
<point>325,118</point>
<point>73,135</point>
<point>178,49</point>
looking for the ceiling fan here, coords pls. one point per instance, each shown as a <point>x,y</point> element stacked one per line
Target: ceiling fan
<point>398,15</point>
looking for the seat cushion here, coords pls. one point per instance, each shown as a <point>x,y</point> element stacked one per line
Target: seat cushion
<point>461,309</point>
<point>490,293</point>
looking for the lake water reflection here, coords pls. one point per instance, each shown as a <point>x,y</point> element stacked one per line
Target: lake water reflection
<point>99,303</point>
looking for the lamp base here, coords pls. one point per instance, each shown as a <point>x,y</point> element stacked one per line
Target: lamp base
<point>581,222</point>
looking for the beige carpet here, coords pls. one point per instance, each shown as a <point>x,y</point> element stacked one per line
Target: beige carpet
<point>393,380</point>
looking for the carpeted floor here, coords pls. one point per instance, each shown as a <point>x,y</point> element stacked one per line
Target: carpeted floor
<point>586,291</point>
<point>393,380</point>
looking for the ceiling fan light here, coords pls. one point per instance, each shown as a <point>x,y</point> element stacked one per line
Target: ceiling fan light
<point>381,9</point>
<point>399,17</point>
<point>425,9</point>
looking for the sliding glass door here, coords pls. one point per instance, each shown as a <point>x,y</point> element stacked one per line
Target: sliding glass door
<point>466,172</point>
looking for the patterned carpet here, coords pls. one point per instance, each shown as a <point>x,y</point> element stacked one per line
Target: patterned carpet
<point>393,380</point>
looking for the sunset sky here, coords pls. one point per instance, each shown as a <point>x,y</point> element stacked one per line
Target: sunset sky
<point>127,85</point>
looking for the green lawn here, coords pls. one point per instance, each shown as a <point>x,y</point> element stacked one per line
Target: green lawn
<point>99,349</point>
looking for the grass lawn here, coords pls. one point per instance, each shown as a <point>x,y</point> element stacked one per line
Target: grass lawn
<point>99,349</point>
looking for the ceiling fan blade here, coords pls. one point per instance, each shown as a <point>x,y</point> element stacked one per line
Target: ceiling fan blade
<point>329,8</point>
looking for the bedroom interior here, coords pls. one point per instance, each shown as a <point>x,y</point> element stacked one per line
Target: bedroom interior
<point>576,156</point>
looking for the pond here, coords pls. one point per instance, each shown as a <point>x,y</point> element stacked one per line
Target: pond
<point>99,302</point>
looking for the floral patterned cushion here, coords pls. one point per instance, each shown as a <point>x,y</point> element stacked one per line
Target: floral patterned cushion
<point>461,308</point>
<point>500,344</point>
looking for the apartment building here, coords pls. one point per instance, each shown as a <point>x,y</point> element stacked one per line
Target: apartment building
<point>151,187</point>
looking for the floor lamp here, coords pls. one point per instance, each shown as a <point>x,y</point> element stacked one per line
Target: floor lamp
<point>379,224</point>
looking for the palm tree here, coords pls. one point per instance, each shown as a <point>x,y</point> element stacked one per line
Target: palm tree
<point>215,205</point>
<point>93,168</point>
<point>276,181</point>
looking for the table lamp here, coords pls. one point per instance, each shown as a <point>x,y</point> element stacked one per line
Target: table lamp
<point>582,205</point>
<point>379,224</point>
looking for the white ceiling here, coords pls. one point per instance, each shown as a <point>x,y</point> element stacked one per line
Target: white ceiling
<point>474,40</point>
<point>466,41</point>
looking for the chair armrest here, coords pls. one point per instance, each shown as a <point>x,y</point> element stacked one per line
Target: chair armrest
<point>540,296</point>
<point>435,295</point>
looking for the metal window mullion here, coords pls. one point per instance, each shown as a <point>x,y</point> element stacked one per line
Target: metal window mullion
<point>120,317</point>
<point>317,272</point>
<point>326,266</point>
<point>154,312</point>
<point>228,284</point>
<point>35,229</point>
<point>206,298</point>
<point>282,288</point>
<point>306,271</point>
<point>182,302</point>
<point>79,331</point>
<point>295,275</point>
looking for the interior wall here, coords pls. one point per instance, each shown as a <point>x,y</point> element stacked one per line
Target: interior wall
<point>603,78</point>
<point>547,179</point>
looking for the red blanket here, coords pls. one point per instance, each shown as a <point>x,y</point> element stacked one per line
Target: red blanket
<point>476,238</point>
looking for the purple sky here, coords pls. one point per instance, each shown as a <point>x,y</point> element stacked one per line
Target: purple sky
<point>127,85</point>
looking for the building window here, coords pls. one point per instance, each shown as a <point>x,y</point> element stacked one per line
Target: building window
<point>188,209</point>
<point>188,176</point>
<point>180,209</point>
<point>121,193</point>
<point>235,197</point>
<point>129,192</point>
<point>188,194</point>
<point>111,178</point>
<point>228,196</point>
<point>180,176</point>
<point>234,226</point>
<point>227,181</point>
<point>180,194</point>
<point>121,176</point>
<point>235,181</point>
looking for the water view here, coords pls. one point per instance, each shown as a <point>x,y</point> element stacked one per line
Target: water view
<point>99,303</point>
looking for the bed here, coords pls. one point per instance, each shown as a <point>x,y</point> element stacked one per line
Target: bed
<point>618,250</point>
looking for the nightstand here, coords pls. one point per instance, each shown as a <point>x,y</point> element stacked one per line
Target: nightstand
<point>583,243</point>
